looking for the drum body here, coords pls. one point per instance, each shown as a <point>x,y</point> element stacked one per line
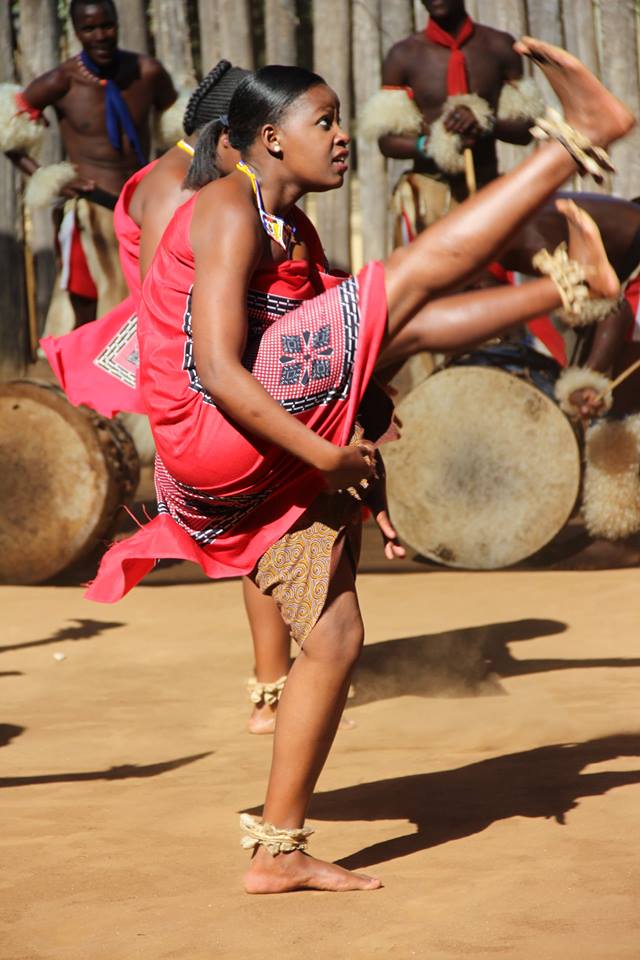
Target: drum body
<point>487,470</point>
<point>64,472</point>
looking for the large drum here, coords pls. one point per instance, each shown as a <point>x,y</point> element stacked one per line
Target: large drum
<point>487,470</point>
<point>64,472</point>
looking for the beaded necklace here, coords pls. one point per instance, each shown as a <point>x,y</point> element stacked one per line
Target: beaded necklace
<point>277,228</point>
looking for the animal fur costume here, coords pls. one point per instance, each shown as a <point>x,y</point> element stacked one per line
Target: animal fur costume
<point>581,378</point>
<point>611,496</point>
<point>393,110</point>
<point>21,128</point>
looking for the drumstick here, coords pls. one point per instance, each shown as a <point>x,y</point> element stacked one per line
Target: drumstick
<point>620,378</point>
<point>30,284</point>
<point>470,171</point>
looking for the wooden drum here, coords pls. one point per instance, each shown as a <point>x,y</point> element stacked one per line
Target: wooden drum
<point>487,470</point>
<point>64,472</point>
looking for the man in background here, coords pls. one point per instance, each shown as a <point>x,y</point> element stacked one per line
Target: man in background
<point>103,98</point>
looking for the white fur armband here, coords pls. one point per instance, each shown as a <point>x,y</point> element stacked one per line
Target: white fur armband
<point>45,184</point>
<point>521,100</point>
<point>445,148</point>
<point>581,378</point>
<point>169,123</point>
<point>611,492</point>
<point>18,131</point>
<point>390,111</point>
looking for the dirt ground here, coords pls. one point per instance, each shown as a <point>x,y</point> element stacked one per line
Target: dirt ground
<point>492,780</point>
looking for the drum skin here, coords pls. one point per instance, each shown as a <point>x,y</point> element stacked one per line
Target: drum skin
<point>487,470</point>
<point>64,472</point>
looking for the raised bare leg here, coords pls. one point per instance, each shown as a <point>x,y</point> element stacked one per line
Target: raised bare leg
<point>271,650</point>
<point>449,323</point>
<point>454,248</point>
<point>308,716</point>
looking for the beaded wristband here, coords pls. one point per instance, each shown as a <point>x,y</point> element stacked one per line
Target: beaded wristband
<point>421,144</point>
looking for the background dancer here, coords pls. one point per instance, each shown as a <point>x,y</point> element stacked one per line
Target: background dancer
<point>454,85</point>
<point>103,98</point>
<point>97,365</point>
<point>239,476</point>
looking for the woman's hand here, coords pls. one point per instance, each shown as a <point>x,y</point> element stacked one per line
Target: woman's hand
<point>393,549</point>
<point>375,497</point>
<point>348,466</point>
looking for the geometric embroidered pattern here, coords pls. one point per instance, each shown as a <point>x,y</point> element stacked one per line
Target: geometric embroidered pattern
<point>120,358</point>
<point>203,516</point>
<point>301,351</point>
<point>305,356</point>
<point>188,362</point>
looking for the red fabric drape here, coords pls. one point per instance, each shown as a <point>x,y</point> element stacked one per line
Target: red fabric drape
<point>457,80</point>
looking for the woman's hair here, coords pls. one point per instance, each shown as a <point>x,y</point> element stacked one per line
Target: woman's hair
<point>212,96</point>
<point>202,169</point>
<point>263,97</point>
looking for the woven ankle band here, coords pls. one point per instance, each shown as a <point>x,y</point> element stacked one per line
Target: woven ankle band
<point>570,277</point>
<point>265,694</point>
<point>274,839</point>
<point>589,158</point>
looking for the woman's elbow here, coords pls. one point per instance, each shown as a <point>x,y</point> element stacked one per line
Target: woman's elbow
<point>219,379</point>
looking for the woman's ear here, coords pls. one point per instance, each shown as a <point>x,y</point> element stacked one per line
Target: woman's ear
<point>270,140</point>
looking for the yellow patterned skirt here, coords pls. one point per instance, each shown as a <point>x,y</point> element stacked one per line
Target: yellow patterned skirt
<point>297,569</point>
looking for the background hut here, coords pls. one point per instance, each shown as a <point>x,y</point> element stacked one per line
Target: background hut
<point>345,40</point>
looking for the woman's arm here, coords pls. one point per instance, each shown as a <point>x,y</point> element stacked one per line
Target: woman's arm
<point>228,245</point>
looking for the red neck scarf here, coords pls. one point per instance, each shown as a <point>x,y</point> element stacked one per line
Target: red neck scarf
<point>457,81</point>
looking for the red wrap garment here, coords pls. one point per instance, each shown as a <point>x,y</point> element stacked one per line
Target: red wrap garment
<point>224,497</point>
<point>97,364</point>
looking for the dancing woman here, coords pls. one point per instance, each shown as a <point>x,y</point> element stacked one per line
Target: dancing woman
<point>254,367</point>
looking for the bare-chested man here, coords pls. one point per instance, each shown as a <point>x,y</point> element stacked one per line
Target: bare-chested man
<point>454,85</point>
<point>103,99</point>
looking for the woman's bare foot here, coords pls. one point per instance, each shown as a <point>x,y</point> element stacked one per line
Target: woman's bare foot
<point>587,105</point>
<point>263,720</point>
<point>298,871</point>
<point>586,246</point>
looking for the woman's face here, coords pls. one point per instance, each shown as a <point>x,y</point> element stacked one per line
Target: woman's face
<point>226,155</point>
<point>311,142</point>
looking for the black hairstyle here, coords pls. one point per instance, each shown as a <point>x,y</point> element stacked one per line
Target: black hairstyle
<point>76,5</point>
<point>212,96</point>
<point>263,98</point>
<point>202,169</point>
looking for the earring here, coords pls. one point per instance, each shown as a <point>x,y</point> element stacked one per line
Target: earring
<point>277,149</point>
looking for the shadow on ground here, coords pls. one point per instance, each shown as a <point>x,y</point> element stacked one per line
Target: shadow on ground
<point>127,771</point>
<point>448,805</point>
<point>83,630</point>
<point>8,732</point>
<point>460,663</point>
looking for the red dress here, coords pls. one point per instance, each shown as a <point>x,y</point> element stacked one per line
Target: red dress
<point>224,496</point>
<point>97,364</point>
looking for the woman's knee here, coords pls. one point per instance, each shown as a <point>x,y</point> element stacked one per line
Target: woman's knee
<point>337,639</point>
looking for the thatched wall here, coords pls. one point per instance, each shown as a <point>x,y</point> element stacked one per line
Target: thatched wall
<point>343,39</point>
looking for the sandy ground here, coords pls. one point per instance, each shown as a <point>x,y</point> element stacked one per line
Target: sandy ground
<point>492,780</point>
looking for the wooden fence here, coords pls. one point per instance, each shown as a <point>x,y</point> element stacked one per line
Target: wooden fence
<point>345,40</point>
